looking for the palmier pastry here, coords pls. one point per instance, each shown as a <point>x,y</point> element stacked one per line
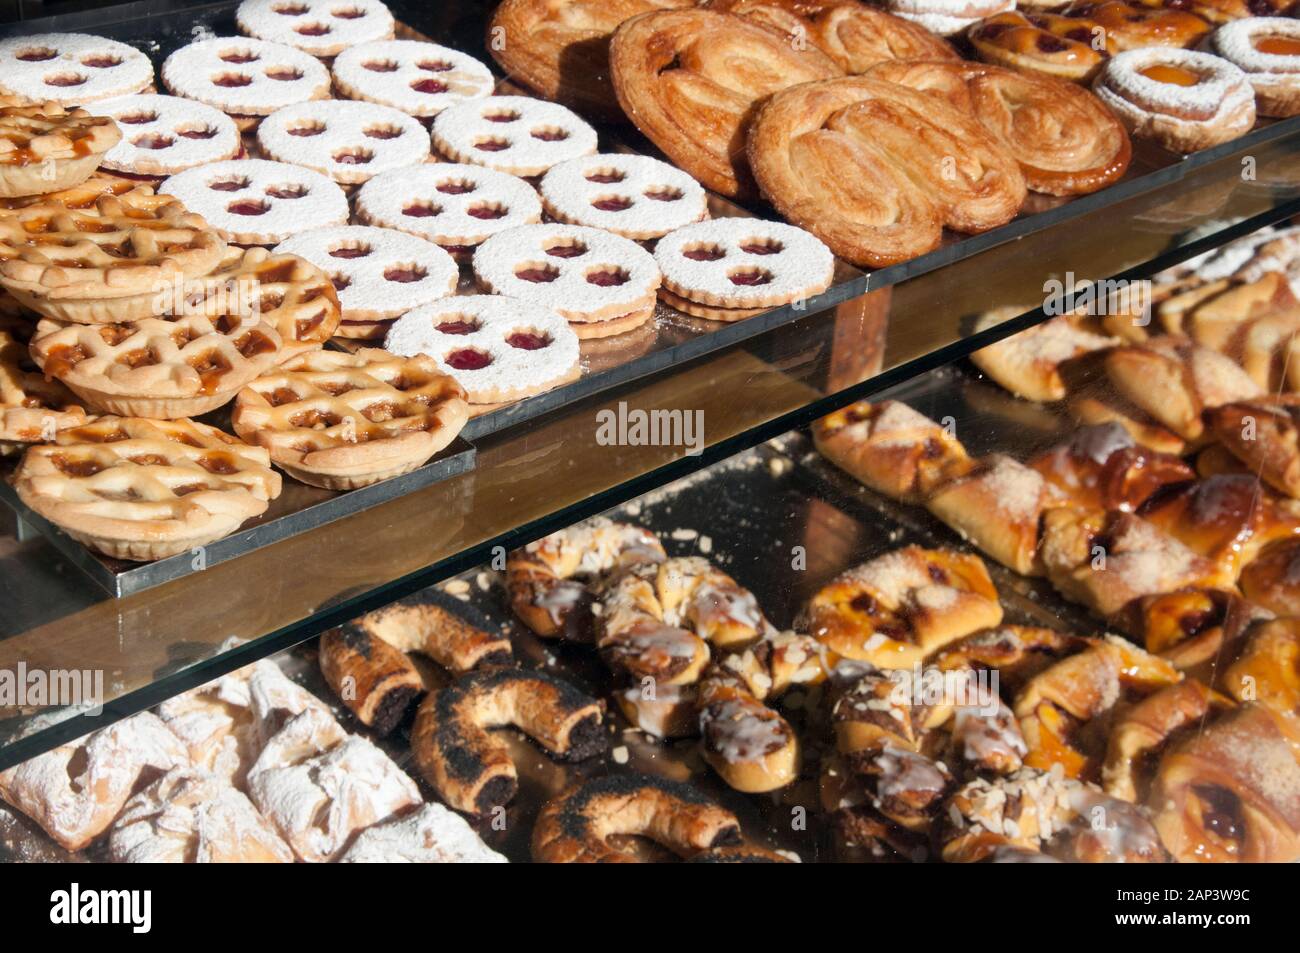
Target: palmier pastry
<point>998,506</point>
<point>689,80</point>
<point>916,163</point>
<point>1069,48</point>
<point>140,489</point>
<point>1227,518</point>
<point>947,17</point>
<point>1263,434</point>
<point>1029,363</point>
<point>48,148</point>
<point>1143,729</point>
<point>1066,142</point>
<point>1102,466</point>
<point>1268,671</point>
<point>900,607</point>
<point>188,816</point>
<point>1131,26</point>
<point>1230,793</point>
<point>430,835</point>
<point>1189,627</point>
<point>551,582</point>
<point>560,48</point>
<point>470,768</point>
<point>1267,49</point>
<point>1105,560</point>
<point>1175,380</point>
<point>1179,99</point>
<point>891,448</point>
<point>319,785</point>
<point>75,791</point>
<point>576,827</point>
<point>853,34</point>
<point>1054,705</point>
<point>1272,579</point>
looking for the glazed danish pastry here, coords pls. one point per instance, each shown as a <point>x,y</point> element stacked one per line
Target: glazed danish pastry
<point>1272,579</point>
<point>1268,671</point>
<point>891,448</point>
<point>689,80</point>
<point>1066,142</point>
<point>901,607</point>
<point>576,827</point>
<point>551,582</point>
<point>917,164</point>
<point>1267,49</point>
<point>1070,48</point>
<point>1131,26</point>
<point>1029,363</point>
<point>1180,99</point>
<point>751,747</point>
<point>1230,793</point>
<point>853,34</point>
<point>470,768</point>
<point>1105,560</point>
<point>75,791</point>
<point>1263,434</point>
<point>1017,652</point>
<point>998,506</point>
<point>1103,467</point>
<point>1189,627</point>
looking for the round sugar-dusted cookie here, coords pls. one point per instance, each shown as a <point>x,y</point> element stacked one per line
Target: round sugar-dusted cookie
<point>512,134</point>
<point>421,79</point>
<point>634,196</point>
<point>349,141</point>
<point>71,68</point>
<point>319,27</point>
<point>163,135</point>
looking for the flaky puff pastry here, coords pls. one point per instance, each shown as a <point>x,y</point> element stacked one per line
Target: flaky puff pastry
<point>690,79</point>
<point>876,170</point>
<point>901,607</point>
<point>1230,793</point>
<point>998,506</point>
<point>891,448</point>
<point>1029,363</point>
<point>1067,143</point>
<point>853,34</point>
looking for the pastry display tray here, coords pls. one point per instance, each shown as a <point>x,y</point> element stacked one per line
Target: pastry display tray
<point>157,27</point>
<point>783,522</point>
<point>298,509</point>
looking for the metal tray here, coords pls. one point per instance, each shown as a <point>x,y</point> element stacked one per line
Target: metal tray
<point>297,509</point>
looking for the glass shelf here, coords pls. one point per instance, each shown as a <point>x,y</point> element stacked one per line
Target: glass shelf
<point>553,470</point>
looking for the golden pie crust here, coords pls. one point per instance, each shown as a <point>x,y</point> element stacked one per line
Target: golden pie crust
<point>47,148</point>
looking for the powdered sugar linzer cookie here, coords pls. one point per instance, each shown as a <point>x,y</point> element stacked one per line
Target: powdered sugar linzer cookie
<point>258,202</point>
<point>1182,99</point>
<point>457,206</point>
<point>71,68</point>
<point>421,79</point>
<point>583,273</point>
<point>1267,49</point>
<point>743,263</point>
<point>948,17</point>
<point>318,27</point>
<point>512,134</point>
<point>348,141</point>
<point>378,273</point>
<point>633,196</point>
<point>163,135</point>
<point>497,348</point>
<point>245,76</point>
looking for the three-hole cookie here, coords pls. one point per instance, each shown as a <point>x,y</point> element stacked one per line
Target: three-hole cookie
<point>71,68</point>
<point>512,134</point>
<point>258,202</point>
<point>603,282</point>
<point>377,272</point>
<point>421,79</point>
<point>634,196</point>
<point>498,348</point>
<point>319,27</point>
<point>742,264</point>
<point>163,135</point>
<point>457,206</point>
<point>348,141</point>
<point>244,76</point>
